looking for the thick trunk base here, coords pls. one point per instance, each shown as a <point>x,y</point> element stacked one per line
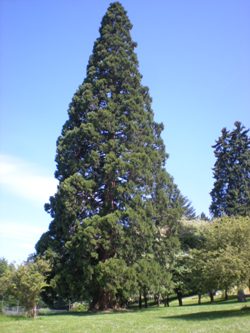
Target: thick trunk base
<point>211,295</point>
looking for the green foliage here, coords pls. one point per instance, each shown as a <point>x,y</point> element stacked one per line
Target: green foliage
<point>25,283</point>
<point>114,195</point>
<point>4,266</point>
<point>191,234</point>
<point>181,272</point>
<point>223,262</point>
<point>116,280</point>
<point>231,192</point>
<point>79,307</point>
<point>6,271</point>
<point>188,210</point>
<point>152,279</point>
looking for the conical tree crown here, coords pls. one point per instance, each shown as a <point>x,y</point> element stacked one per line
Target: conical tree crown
<point>110,136</point>
<point>231,192</point>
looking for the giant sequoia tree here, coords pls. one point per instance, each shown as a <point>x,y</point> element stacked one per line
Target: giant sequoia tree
<point>114,195</point>
<point>231,192</point>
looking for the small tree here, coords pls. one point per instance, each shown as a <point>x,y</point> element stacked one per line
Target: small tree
<point>231,236</point>
<point>150,279</point>
<point>181,272</point>
<point>164,287</point>
<point>117,282</point>
<point>223,262</point>
<point>194,277</point>
<point>26,283</point>
<point>6,270</point>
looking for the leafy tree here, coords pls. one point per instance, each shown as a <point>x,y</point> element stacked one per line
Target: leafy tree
<point>114,195</point>
<point>231,270</point>
<point>163,286</point>
<point>191,234</point>
<point>181,273</point>
<point>118,281</point>
<point>223,261</point>
<point>231,192</point>
<point>151,279</point>
<point>6,270</point>
<point>231,236</point>
<point>3,266</point>
<point>27,282</point>
<point>194,278</point>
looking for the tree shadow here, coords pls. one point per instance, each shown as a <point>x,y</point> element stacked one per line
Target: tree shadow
<point>216,302</point>
<point>82,314</point>
<point>210,315</point>
<point>66,313</point>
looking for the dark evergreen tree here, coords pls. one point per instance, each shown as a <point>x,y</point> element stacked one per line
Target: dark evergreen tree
<point>231,192</point>
<point>188,210</point>
<point>203,217</point>
<point>114,195</point>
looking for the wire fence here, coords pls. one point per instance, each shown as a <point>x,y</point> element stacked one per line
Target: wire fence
<point>13,310</point>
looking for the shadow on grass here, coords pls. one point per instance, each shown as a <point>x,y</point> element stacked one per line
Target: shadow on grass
<point>205,303</point>
<point>4,318</point>
<point>83,314</point>
<point>217,301</point>
<point>210,315</point>
<point>69,313</point>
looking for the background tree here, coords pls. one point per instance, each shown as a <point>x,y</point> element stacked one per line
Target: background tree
<point>231,192</point>
<point>194,278</point>
<point>150,279</point>
<point>27,282</point>
<point>114,195</point>
<point>223,261</point>
<point>203,217</point>
<point>188,210</point>
<point>231,237</point>
<point>6,270</point>
<point>118,281</point>
<point>3,266</point>
<point>181,274</point>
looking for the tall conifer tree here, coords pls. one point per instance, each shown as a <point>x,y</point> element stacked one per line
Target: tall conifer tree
<point>114,195</point>
<point>231,192</point>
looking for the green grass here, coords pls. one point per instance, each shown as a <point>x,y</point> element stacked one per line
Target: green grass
<point>220,317</point>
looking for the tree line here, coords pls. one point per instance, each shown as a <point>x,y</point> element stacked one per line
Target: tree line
<point>117,232</point>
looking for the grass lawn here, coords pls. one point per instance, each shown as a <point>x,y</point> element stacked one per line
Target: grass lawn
<point>220,317</point>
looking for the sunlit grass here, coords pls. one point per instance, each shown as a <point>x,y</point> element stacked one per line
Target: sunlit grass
<point>219,317</point>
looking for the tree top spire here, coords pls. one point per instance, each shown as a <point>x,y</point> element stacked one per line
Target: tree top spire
<point>115,16</point>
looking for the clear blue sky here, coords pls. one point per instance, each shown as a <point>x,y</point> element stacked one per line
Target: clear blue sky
<point>194,56</point>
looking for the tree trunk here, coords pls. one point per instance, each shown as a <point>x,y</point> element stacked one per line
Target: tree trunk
<point>145,299</point>
<point>158,299</point>
<point>140,300</point>
<point>226,294</point>
<point>241,296</point>
<point>32,312</point>
<point>166,301</point>
<point>179,296</point>
<point>199,298</point>
<point>211,295</point>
